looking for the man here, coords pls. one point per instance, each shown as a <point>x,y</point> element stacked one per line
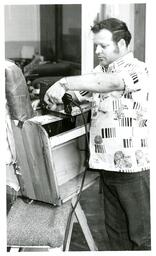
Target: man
<point>118,133</point>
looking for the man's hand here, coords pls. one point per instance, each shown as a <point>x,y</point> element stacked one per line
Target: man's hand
<point>54,94</point>
<point>35,104</point>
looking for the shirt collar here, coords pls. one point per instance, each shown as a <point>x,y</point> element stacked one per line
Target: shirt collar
<point>119,62</point>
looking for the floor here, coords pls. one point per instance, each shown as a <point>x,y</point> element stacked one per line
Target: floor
<point>92,203</point>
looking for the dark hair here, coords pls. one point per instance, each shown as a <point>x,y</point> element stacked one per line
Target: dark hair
<point>117,27</point>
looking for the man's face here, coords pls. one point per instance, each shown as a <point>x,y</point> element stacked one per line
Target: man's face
<point>107,51</point>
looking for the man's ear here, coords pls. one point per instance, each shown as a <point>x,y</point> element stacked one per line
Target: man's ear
<point>121,44</point>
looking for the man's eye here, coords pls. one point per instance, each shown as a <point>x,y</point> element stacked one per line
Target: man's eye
<point>103,46</point>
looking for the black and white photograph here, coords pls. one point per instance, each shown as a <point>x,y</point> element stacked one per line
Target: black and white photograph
<point>77,120</point>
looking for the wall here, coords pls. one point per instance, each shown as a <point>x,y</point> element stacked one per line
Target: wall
<point>132,14</point>
<point>71,18</point>
<point>123,12</point>
<point>71,32</point>
<point>22,28</point>
<point>139,31</point>
<point>89,13</point>
<point>47,31</point>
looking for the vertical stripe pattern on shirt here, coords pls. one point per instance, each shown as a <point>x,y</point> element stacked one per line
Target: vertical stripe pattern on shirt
<point>127,143</point>
<point>108,132</point>
<point>125,122</point>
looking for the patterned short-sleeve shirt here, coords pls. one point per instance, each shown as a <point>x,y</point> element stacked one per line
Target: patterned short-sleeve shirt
<point>119,122</point>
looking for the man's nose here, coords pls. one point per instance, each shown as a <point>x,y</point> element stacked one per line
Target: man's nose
<point>98,49</point>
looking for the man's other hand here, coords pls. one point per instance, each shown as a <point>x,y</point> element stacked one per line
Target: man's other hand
<point>54,94</point>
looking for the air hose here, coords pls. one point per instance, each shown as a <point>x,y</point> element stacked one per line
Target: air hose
<point>68,103</point>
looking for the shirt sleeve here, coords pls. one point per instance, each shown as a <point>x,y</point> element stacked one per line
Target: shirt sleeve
<point>134,77</point>
<point>81,95</point>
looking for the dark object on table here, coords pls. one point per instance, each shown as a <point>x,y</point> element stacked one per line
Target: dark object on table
<point>52,69</point>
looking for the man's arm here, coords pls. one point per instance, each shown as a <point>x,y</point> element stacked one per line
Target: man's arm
<point>94,82</point>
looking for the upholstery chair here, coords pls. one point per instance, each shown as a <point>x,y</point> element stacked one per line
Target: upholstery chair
<point>36,225</point>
